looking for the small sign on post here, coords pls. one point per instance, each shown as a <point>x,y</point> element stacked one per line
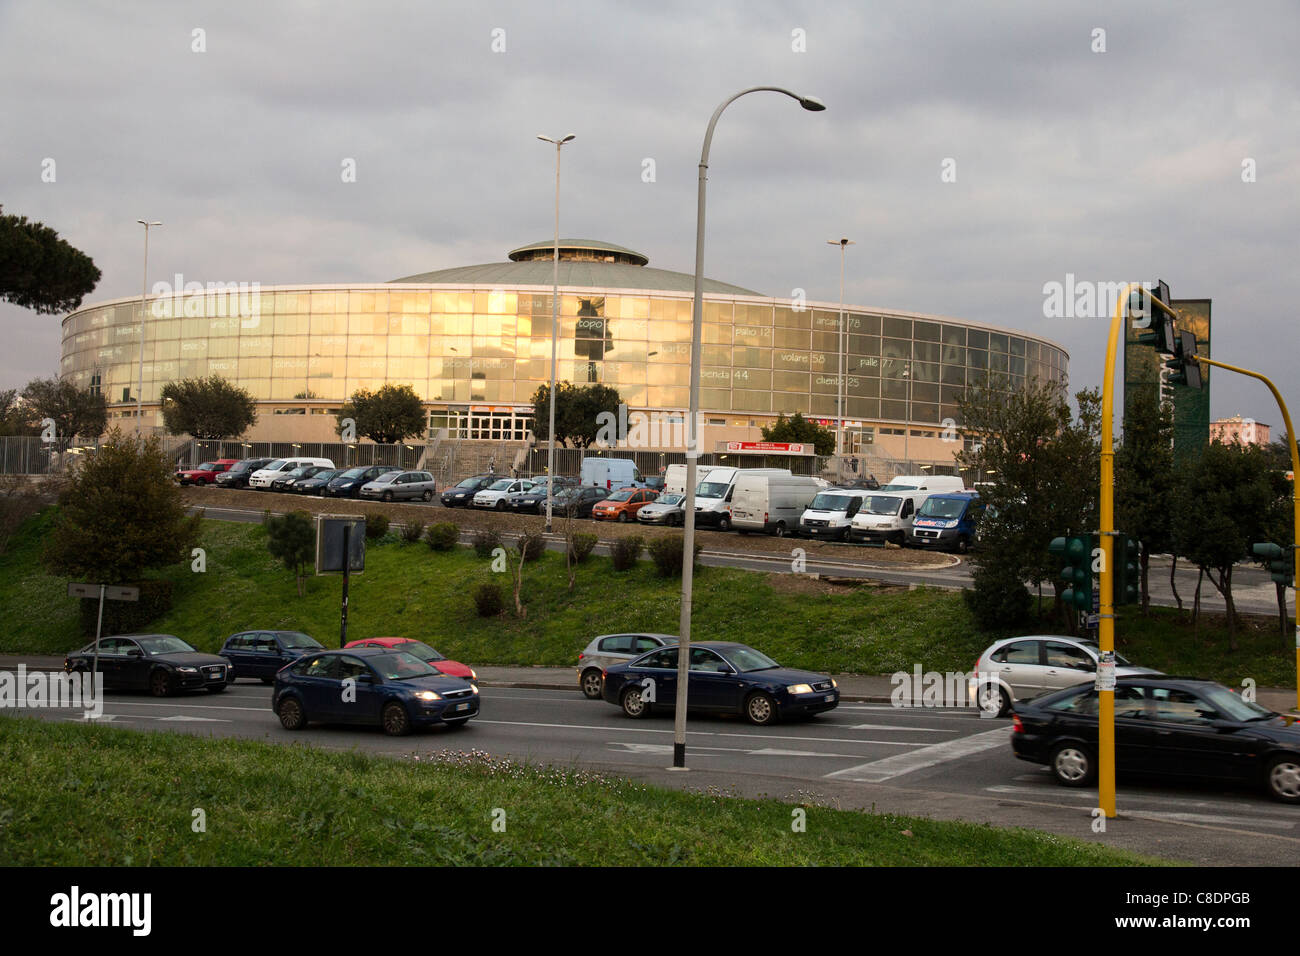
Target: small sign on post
<point>341,549</point>
<point>109,592</point>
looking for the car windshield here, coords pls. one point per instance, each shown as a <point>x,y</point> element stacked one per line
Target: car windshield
<point>501,485</point>
<point>1120,659</point>
<point>621,495</point>
<point>670,499</point>
<point>420,649</point>
<point>299,472</point>
<point>386,477</point>
<point>470,483</point>
<point>399,665</point>
<point>883,505</point>
<point>296,639</point>
<point>829,502</point>
<point>942,508</point>
<point>163,645</point>
<point>353,473</point>
<point>206,466</point>
<point>1233,705</point>
<point>894,487</point>
<point>747,659</point>
<point>325,475</point>
<point>711,489</point>
<point>272,466</point>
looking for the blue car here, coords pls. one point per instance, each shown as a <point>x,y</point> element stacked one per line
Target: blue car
<point>261,653</point>
<point>375,686</point>
<point>725,678</point>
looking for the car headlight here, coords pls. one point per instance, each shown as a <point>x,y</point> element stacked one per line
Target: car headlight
<point>427,695</point>
<point>799,689</point>
<point>834,685</point>
<point>474,687</point>
<point>188,670</point>
<point>473,674</point>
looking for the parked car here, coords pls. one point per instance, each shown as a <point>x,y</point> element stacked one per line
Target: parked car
<point>830,514</point>
<point>236,476</point>
<point>462,494</point>
<point>771,503</point>
<point>949,520</point>
<point>260,654</point>
<point>668,509</point>
<point>533,501</point>
<point>495,495</point>
<point>348,483</point>
<point>578,501</point>
<point>609,473</point>
<point>423,651</point>
<point>1017,668</point>
<point>317,483</point>
<point>401,485</point>
<point>159,663</point>
<point>206,473</point>
<point>655,483</point>
<point>623,505</point>
<point>288,480</point>
<point>389,688</point>
<point>262,478</point>
<point>725,678</point>
<point>613,649</point>
<point>1173,727</point>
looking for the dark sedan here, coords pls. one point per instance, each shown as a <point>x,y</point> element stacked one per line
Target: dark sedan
<point>1172,727</point>
<point>347,484</point>
<point>725,678</point>
<point>238,473</point>
<point>159,663</point>
<point>534,500</point>
<point>578,501</point>
<point>262,653</point>
<point>289,480</point>
<point>317,483</point>
<point>461,495</point>
<point>371,685</point>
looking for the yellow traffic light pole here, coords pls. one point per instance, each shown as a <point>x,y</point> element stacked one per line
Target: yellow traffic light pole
<point>1295,498</point>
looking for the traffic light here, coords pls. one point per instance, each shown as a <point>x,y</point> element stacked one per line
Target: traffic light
<point>1147,315</point>
<point>1279,561</point>
<point>1183,367</point>
<point>1127,582</point>
<point>1077,573</point>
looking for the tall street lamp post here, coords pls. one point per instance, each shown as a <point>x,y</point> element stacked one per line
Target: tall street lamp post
<point>692,437</point>
<point>144,289</point>
<point>839,443</point>
<point>555,329</point>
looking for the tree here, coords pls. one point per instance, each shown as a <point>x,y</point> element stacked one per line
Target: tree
<point>387,416</point>
<point>578,412</point>
<point>799,429</point>
<point>13,415</point>
<point>207,408</point>
<point>1145,479</point>
<point>291,538</point>
<point>75,411</point>
<point>1225,501</point>
<point>121,515</point>
<point>40,271</point>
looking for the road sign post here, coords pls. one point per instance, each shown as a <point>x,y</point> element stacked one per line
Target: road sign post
<point>103,592</point>
<point>341,549</point>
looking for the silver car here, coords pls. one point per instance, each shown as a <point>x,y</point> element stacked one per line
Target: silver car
<point>396,485</point>
<point>666,509</point>
<point>1017,668</point>
<point>613,649</point>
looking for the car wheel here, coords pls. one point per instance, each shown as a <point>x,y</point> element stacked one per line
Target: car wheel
<point>397,722</point>
<point>199,483</point>
<point>160,684</point>
<point>1072,765</point>
<point>427,496</point>
<point>779,530</point>
<point>501,505</point>
<point>634,705</point>
<point>963,544</point>
<point>217,689</point>
<point>457,723</point>
<point>292,716</point>
<point>622,517</point>
<point>1283,778</point>
<point>984,699</point>
<point>592,684</point>
<point>724,523</point>
<point>760,709</point>
<point>387,496</point>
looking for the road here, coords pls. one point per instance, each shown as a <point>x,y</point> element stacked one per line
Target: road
<point>1253,591</point>
<point>943,764</point>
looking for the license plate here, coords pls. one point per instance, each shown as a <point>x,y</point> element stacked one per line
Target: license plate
<point>830,697</point>
<point>462,706</point>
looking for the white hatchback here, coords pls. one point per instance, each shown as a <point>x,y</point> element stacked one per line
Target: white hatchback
<point>495,494</point>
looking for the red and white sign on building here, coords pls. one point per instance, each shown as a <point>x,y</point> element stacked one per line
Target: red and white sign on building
<point>788,448</point>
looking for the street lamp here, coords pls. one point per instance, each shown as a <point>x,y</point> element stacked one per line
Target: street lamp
<point>555,329</point>
<point>839,442</point>
<point>907,415</point>
<point>144,288</point>
<point>692,438</point>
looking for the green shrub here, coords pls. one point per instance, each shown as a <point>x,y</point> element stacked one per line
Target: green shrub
<point>666,553</point>
<point>999,600</point>
<point>485,542</point>
<point>531,545</point>
<point>487,599</point>
<point>376,525</point>
<point>412,531</point>
<point>581,546</point>
<point>442,536</point>
<point>625,551</point>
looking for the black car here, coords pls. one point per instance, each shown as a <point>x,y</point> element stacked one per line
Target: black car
<point>347,484</point>
<point>317,483</point>
<point>1172,727</point>
<point>371,685</point>
<point>261,653</point>
<point>578,501</point>
<point>461,495</point>
<point>534,501</point>
<point>159,663</point>
<point>237,475</point>
<point>725,678</point>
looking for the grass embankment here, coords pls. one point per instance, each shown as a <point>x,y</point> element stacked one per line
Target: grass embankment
<point>408,590</point>
<point>96,796</point>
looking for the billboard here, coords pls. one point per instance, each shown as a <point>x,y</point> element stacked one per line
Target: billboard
<point>1144,369</point>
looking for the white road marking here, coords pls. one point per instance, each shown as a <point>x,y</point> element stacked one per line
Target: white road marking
<point>914,730</point>
<point>1209,818</point>
<point>1163,799</point>
<point>185,718</point>
<point>887,768</point>
<point>698,733</point>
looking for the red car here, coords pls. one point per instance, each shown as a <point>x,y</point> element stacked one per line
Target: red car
<point>421,650</point>
<point>206,473</point>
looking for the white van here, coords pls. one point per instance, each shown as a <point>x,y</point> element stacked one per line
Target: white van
<point>262,478</point>
<point>830,514</point>
<point>610,473</point>
<point>675,478</point>
<point>886,516</point>
<point>714,493</point>
<point>771,503</point>
<point>930,484</point>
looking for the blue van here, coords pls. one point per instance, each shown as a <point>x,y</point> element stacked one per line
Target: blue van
<point>948,521</point>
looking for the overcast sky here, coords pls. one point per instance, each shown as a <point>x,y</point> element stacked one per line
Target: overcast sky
<point>1119,165</point>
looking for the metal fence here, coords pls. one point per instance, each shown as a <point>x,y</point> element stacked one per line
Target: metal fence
<point>29,455</point>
